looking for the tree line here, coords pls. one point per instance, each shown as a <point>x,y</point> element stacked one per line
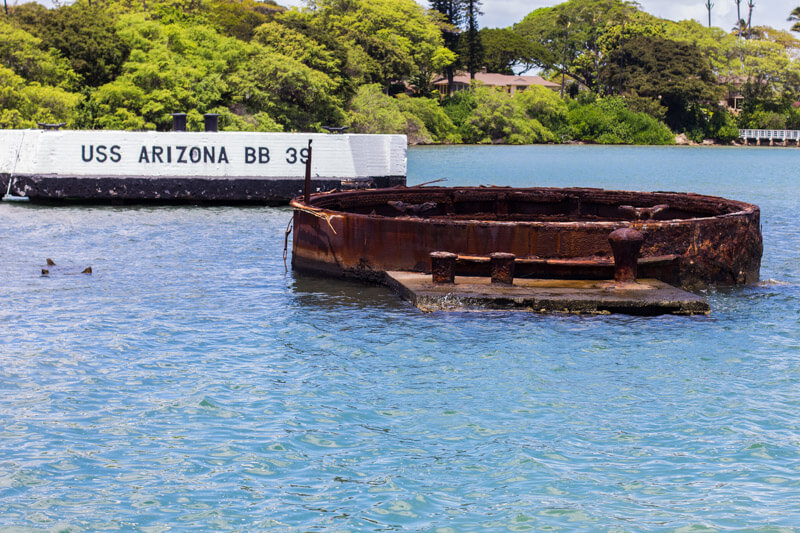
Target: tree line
<point>624,75</point>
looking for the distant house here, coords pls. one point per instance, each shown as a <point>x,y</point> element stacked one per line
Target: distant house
<point>511,84</point>
<point>734,97</point>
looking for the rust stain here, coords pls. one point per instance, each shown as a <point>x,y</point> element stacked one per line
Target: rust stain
<point>689,239</point>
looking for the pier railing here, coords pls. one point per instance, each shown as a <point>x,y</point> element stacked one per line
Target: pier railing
<point>772,136</point>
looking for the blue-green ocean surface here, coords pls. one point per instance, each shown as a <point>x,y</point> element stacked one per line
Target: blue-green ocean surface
<point>192,383</point>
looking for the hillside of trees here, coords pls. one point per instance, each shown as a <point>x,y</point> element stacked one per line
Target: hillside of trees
<point>625,75</point>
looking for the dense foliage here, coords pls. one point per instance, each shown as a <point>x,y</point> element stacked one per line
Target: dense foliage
<point>625,76</point>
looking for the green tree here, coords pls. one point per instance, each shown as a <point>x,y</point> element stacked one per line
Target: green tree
<point>297,45</point>
<point>451,17</point>
<point>318,48</point>
<point>719,47</point>
<point>487,115</point>
<point>193,69</point>
<point>505,50</point>
<point>609,121</point>
<point>674,73</point>
<point>372,111</point>
<point>433,117</point>
<point>294,95</point>
<point>240,18</point>
<point>570,35</point>
<point>24,54</point>
<point>387,40</point>
<point>23,104</point>
<point>85,34</point>
<point>171,68</point>
<point>545,106</point>
<point>772,76</point>
<point>471,46</point>
<point>794,16</point>
<point>722,126</point>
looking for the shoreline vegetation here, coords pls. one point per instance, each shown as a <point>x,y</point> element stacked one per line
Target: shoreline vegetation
<point>623,76</point>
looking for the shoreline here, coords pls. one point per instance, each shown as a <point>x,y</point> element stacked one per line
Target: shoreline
<point>682,142</point>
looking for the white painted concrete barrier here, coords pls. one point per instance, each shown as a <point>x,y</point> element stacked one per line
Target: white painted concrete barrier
<point>207,154</point>
<point>188,167</point>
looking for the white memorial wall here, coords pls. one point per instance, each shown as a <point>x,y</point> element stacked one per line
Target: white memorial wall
<point>201,154</point>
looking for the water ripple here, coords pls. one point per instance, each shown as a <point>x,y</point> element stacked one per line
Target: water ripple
<point>192,383</point>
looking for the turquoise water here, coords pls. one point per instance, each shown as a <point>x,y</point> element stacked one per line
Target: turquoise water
<point>191,383</point>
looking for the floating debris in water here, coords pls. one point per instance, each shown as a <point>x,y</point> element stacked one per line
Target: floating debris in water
<point>51,263</point>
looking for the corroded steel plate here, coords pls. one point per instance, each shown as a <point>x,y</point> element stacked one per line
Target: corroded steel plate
<point>689,239</point>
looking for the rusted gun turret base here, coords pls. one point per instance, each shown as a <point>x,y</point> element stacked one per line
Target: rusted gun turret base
<point>643,297</point>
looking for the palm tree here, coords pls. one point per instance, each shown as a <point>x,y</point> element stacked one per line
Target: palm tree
<point>739,17</point>
<point>750,4</point>
<point>709,5</point>
<point>795,15</point>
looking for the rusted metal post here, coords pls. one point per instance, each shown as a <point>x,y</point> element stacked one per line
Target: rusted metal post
<point>307,187</point>
<point>626,244</point>
<point>443,267</point>
<point>502,265</point>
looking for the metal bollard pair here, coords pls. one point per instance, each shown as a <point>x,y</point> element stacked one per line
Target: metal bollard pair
<point>626,243</point>
<point>443,267</point>
<point>210,121</point>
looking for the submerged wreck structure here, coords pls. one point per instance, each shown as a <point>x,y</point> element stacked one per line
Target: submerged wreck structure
<point>461,243</point>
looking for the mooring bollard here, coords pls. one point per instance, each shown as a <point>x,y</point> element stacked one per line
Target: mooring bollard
<point>443,267</point>
<point>178,121</point>
<point>211,121</point>
<point>502,265</point>
<point>626,244</point>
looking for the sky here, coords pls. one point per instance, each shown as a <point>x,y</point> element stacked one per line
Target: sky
<point>503,13</point>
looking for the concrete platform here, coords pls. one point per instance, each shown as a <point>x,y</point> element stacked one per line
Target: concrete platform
<point>644,297</point>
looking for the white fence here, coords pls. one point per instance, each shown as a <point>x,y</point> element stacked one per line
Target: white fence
<point>770,135</point>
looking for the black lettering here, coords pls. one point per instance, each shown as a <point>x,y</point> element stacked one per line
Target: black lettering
<point>181,152</point>
<point>157,151</point>
<point>169,154</point>
<point>101,154</point>
<point>263,155</point>
<point>249,155</point>
<point>115,155</point>
<point>223,156</point>
<point>143,155</point>
<point>292,159</point>
<point>208,155</point>
<point>304,155</point>
<point>195,154</point>
<point>83,152</point>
